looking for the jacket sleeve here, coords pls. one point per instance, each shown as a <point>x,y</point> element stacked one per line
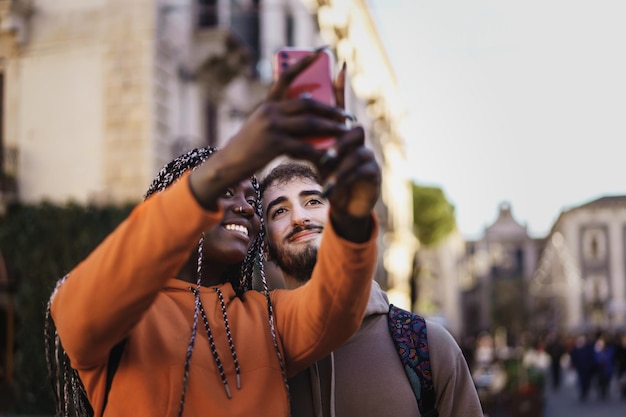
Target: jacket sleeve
<point>455,392</point>
<point>107,293</point>
<point>318,317</point>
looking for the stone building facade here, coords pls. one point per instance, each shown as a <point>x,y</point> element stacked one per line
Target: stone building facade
<point>500,266</point>
<point>580,282</point>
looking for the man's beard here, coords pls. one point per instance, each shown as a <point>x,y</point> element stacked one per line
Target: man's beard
<point>297,265</point>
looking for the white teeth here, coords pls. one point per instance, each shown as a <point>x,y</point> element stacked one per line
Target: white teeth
<point>237,228</point>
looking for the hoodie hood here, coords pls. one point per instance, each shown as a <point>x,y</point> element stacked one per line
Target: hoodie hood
<point>378,302</point>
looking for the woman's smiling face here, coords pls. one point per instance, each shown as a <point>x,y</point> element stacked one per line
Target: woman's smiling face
<point>229,241</point>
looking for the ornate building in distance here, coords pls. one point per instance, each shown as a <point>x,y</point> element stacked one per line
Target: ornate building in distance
<point>499,266</point>
<point>572,281</point>
<point>580,282</point>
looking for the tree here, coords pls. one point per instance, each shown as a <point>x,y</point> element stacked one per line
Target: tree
<point>433,215</point>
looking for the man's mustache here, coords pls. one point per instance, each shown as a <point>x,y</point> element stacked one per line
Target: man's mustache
<point>299,229</point>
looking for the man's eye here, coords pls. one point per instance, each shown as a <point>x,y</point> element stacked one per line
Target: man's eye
<point>253,203</point>
<point>314,202</point>
<point>228,193</point>
<point>278,212</point>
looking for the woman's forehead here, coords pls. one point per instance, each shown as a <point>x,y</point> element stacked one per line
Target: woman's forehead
<point>248,184</point>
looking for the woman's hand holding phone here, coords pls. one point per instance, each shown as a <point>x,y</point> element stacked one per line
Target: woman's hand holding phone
<point>304,73</point>
<point>314,82</point>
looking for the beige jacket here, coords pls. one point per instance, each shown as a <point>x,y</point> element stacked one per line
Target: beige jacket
<point>364,377</point>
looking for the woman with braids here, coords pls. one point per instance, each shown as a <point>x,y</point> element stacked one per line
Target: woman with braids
<point>158,319</point>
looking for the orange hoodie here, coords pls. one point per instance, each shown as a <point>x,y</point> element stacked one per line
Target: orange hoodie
<point>126,289</point>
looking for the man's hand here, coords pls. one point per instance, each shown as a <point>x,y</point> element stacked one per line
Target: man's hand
<point>353,181</point>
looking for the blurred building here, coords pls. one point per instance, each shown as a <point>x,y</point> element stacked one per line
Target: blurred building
<point>440,277</point>
<point>98,94</point>
<point>580,283</point>
<point>349,27</point>
<point>500,266</point>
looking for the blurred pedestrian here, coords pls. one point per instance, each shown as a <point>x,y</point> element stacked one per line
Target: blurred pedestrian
<point>583,360</point>
<point>604,351</point>
<point>556,349</point>
<point>537,358</point>
<point>620,365</point>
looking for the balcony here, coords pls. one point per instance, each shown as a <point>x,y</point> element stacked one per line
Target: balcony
<point>225,42</point>
<point>15,16</point>
<point>218,55</point>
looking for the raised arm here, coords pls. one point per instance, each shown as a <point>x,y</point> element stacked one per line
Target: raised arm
<point>106,295</point>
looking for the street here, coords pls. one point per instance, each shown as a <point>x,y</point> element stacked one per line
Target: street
<point>561,403</point>
<point>565,403</point>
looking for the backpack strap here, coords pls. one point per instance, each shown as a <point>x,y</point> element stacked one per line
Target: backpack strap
<point>408,331</point>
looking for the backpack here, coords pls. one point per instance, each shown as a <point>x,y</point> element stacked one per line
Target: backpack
<point>409,335</point>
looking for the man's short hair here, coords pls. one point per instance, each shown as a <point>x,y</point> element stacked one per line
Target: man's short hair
<point>286,172</point>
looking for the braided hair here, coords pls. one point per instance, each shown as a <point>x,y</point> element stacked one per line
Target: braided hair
<point>69,392</point>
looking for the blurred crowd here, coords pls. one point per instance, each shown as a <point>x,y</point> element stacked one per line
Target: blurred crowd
<point>594,362</point>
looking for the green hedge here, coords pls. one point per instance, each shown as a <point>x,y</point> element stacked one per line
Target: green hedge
<point>40,244</point>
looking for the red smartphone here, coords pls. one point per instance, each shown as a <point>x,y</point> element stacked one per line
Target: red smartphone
<point>316,80</point>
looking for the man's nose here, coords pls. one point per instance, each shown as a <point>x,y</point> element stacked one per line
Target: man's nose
<point>299,215</point>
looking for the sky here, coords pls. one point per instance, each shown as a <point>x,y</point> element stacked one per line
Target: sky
<point>521,102</point>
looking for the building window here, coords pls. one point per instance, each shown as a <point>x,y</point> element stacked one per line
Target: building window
<point>211,123</point>
<point>519,261</point>
<point>289,29</point>
<point>207,13</point>
<point>594,244</point>
<point>245,22</point>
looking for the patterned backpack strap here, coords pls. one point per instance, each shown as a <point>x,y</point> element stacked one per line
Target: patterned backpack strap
<point>408,331</point>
